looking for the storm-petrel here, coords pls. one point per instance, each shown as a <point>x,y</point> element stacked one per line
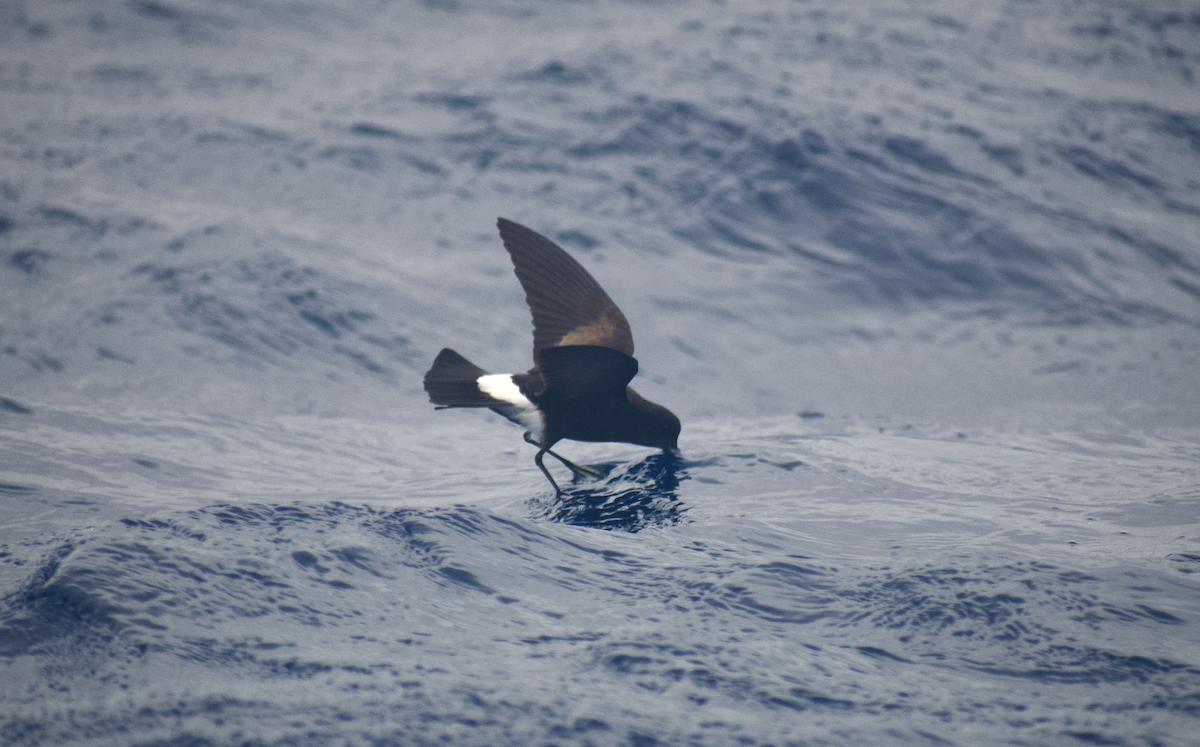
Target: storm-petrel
<point>578,388</point>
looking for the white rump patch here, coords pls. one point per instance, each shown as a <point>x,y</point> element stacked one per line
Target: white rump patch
<point>501,387</point>
<point>519,410</point>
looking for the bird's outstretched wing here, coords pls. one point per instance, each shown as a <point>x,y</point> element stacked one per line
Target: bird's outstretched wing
<point>569,307</point>
<point>583,373</point>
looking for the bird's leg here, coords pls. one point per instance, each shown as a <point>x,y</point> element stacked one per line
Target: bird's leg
<point>546,472</point>
<point>577,469</point>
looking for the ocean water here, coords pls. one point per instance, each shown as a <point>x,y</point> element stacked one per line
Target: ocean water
<point>921,278</point>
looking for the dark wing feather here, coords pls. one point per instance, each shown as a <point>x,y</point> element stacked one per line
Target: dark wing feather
<point>569,307</point>
<point>575,373</point>
<point>586,396</point>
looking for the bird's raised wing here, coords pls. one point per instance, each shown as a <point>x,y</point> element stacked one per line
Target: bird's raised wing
<point>569,307</point>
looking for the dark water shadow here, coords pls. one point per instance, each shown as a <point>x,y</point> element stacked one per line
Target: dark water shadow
<point>628,498</point>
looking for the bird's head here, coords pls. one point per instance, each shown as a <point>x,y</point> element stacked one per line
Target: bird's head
<point>658,427</point>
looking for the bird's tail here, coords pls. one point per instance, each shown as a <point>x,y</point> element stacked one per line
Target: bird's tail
<point>453,381</point>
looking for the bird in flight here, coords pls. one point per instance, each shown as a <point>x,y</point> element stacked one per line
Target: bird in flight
<point>578,388</point>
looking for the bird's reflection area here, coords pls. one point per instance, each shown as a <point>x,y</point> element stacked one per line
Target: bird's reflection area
<point>627,497</point>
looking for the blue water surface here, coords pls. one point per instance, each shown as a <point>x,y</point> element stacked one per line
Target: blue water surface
<point>921,278</point>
